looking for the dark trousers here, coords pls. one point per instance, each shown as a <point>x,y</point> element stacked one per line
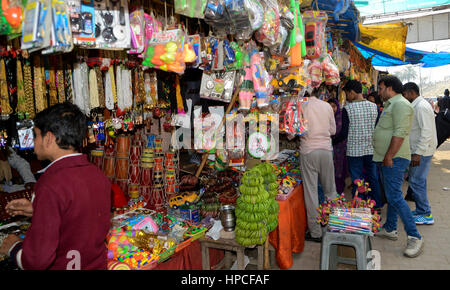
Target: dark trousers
<point>442,128</point>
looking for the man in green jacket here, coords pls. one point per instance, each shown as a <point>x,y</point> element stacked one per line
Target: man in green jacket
<point>392,155</point>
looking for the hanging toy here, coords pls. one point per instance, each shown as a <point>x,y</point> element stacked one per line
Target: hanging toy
<point>259,76</point>
<point>246,91</point>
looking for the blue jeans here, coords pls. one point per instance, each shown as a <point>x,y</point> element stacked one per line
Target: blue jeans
<point>364,167</point>
<point>392,181</point>
<point>418,185</point>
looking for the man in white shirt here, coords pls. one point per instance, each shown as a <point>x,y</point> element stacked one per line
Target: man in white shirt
<point>316,160</point>
<point>423,143</point>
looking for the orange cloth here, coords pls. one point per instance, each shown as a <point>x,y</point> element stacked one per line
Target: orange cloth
<point>289,236</point>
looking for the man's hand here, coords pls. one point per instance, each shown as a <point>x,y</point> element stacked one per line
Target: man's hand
<point>387,161</point>
<point>20,206</point>
<point>415,160</point>
<point>8,242</point>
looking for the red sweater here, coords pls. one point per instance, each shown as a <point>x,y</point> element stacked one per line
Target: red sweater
<point>71,212</point>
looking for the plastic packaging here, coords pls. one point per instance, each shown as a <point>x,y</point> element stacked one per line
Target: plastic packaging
<point>165,51</point>
<point>112,24</point>
<point>331,71</point>
<point>36,29</point>
<point>217,85</point>
<point>315,73</point>
<point>268,33</point>
<point>137,31</point>
<point>191,8</point>
<point>61,32</point>
<point>11,17</point>
<point>260,78</point>
<point>315,39</point>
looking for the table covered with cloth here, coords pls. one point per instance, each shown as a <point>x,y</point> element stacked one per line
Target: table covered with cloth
<point>289,236</point>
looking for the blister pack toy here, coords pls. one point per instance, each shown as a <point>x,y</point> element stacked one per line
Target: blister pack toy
<point>82,18</point>
<point>112,24</point>
<point>137,31</point>
<point>61,32</point>
<point>217,85</point>
<point>315,40</point>
<point>37,25</point>
<point>292,120</point>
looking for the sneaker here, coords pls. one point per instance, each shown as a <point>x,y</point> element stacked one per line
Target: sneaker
<point>414,247</point>
<point>388,235</point>
<point>424,220</point>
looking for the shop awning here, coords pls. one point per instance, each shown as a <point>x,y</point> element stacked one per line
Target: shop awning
<point>412,56</point>
<point>343,16</point>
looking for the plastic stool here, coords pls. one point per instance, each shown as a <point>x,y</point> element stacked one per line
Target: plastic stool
<point>328,252</point>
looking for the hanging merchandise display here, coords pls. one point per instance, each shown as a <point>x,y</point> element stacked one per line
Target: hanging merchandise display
<point>137,30</point>
<point>165,51</point>
<point>82,19</point>
<point>111,24</point>
<point>11,12</point>
<point>315,39</point>
<point>190,8</point>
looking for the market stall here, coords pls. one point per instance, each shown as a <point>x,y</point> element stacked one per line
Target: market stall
<point>192,106</point>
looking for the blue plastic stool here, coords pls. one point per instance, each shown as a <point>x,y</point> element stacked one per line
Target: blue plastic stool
<point>328,252</point>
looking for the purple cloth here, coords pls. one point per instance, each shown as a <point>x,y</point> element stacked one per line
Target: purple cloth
<point>339,152</point>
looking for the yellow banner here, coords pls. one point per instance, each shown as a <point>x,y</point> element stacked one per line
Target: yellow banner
<point>388,38</point>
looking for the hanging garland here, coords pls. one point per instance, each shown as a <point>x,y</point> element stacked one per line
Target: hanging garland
<point>4,97</point>
<point>28,86</point>
<point>21,99</point>
<point>38,84</point>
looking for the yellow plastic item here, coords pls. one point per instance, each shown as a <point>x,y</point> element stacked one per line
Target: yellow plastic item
<point>387,38</point>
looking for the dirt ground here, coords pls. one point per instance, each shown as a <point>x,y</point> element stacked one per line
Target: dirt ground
<point>436,254</point>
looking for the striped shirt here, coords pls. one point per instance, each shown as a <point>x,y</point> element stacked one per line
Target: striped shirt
<point>362,116</point>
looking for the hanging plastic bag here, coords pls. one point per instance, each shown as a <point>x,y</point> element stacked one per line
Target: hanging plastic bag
<point>217,85</point>
<point>315,39</point>
<point>268,33</point>
<point>217,16</point>
<point>165,51</point>
<point>240,19</point>
<point>137,31</point>
<point>11,17</point>
<point>331,71</point>
<point>315,73</point>
<point>191,8</point>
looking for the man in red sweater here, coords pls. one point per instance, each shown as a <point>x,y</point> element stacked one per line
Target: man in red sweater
<point>71,208</point>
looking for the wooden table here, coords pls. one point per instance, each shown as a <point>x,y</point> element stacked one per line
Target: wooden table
<point>229,245</point>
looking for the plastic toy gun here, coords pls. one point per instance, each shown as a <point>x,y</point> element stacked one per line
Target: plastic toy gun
<point>297,43</point>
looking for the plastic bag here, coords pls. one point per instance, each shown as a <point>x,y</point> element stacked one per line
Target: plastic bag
<point>331,71</point>
<point>137,30</point>
<point>268,33</point>
<point>315,39</point>
<point>217,17</point>
<point>240,19</point>
<point>292,120</point>
<point>315,73</point>
<point>217,86</point>
<point>165,51</point>
<point>11,17</point>
<point>281,48</point>
<point>191,8</point>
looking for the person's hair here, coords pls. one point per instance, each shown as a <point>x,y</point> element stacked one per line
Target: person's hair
<point>411,87</point>
<point>353,85</point>
<point>446,92</point>
<point>393,82</point>
<point>66,122</point>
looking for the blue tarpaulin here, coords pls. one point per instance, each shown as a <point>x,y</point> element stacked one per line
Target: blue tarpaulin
<point>342,15</point>
<point>412,56</point>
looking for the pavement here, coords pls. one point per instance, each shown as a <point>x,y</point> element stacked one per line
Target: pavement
<point>436,253</point>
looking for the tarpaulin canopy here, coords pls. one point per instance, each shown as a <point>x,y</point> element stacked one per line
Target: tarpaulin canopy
<point>343,16</point>
<point>388,38</point>
<point>412,56</point>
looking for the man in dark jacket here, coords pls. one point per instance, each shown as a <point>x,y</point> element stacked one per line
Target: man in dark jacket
<point>71,209</point>
<point>443,119</point>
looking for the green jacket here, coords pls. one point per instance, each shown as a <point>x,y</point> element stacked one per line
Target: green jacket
<point>395,120</point>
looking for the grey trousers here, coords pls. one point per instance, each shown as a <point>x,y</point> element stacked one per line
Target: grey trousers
<point>317,165</point>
